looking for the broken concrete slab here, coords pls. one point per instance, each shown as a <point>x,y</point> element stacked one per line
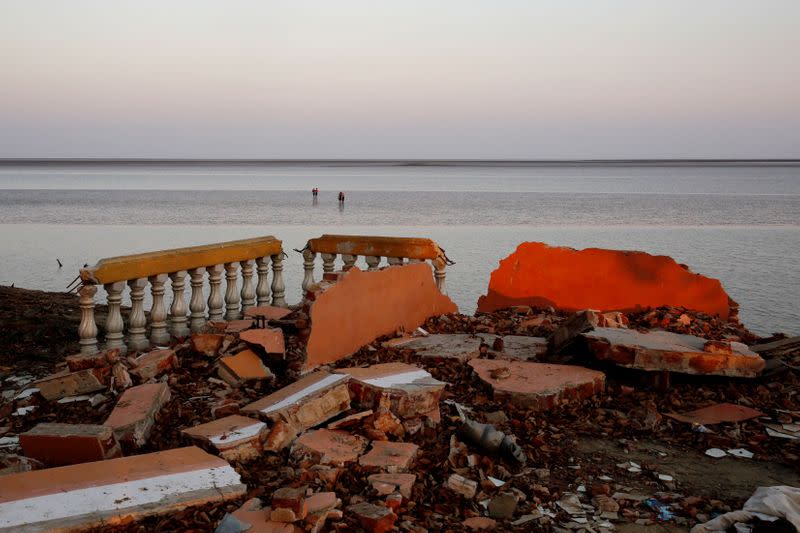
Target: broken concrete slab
<point>327,447</point>
<point>665,351</point>
<point>135,413</point>
<point>83,361</point>
<point>385,484</point>
<point>581,322</point>
<point>306,403</point>
<point>391,457</point>
<point>717,414</point>
<point>115,492</point>
<point>463,346</point>
<point>538,386</point>
<point>153,363</point>
<point>406,390</point>
<point>363,306</point>
<point>66,444</point>
<point>609,280</point>
<point>267,312</point>
<point>67,383</point>
<point>778,348</point>
<point>243,367</point>
<point>236,438</point>
<point>270,339</point>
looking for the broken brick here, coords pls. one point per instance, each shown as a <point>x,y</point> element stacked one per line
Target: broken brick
<point>390,457</point>
<point>93,495</point>
<point>385,484</point>
<point>538,385</point>
<point>342,321</point>
<point>479,523</point>
<point>270,339</point>
<point>154,363</point>
<point>135,413</point>
<point>406,390</point>
<point>267,312</point>
<point>253,517</point>
<point>463,486</point>
<point>236,438</point>
<point>243,367</point>
<point>68,383</point>
<point>327,447</point>
<point>83,361</point>
<point>373,518</point>
<point>292,499</point>
<point>66,444</point>
<point>207,344</point>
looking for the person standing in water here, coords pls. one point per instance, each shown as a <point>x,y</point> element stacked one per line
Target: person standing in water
<point>341,197</point>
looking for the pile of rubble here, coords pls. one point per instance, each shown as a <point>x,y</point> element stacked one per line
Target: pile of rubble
<point>520,419</point>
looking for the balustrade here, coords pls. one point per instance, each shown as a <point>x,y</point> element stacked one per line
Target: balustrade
<point>136,271</point>
<point>396,250</point>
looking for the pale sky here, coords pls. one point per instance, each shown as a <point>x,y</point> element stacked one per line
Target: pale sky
<point>400,79</point>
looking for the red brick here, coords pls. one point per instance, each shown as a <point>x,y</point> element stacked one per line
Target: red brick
<point>291,498</point>
<point>257,517</point>
<point>608,280</point>
<point>366,305</point>
<point>135,413</point>
<point>66,444</point>
<point>154,363</point>
<point>537,386</point>
<point>373,518</point>
<point>387,483</point>
<point>96,360</point>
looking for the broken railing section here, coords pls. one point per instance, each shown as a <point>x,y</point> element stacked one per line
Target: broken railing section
<point>396,250</point>
<point>249,257</point>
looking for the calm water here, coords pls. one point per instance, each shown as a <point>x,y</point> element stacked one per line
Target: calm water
<point>738,224</point>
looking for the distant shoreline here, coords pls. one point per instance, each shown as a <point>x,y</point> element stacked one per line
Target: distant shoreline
<point>402,162</point>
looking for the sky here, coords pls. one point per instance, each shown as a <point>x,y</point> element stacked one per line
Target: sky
<point>400,79</point>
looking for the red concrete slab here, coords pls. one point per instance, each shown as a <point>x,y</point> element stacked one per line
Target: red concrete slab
<point>114,492</point>
<point>207,344</point>
<point>235,437</point>
<point>538,385</point>
<point>408,391</point>
<point>363,306</point>
<point>242,367</point>
<point>327,447</point>
<point>270,339</point>
<point>136,410</point>
<point>665,351</point>
<point>67,383</point>
<point>608,280</point>
<point>66,444</point>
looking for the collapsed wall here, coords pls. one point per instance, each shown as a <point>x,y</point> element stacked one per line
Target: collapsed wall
<point>607,280</point>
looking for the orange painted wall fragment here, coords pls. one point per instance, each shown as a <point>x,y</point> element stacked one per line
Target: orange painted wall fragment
<point>594,278</point>
<point>366,305</point>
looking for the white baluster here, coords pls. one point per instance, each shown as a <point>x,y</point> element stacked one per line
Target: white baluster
<point>349,261</point>
<point>87,330</point>
<point>114,322</point>
<point>372,262</point>
<point>394,261</point>
<point>137,322</point>
<point>262,289</point>
<point>197,306</point>
<point>248,290</point>
<point>215,302</point>
<point>231,292</point>
<point>328,262</point>
<point>439,273</point>
<point>278,288</point>
<point>308,268</point>
<point>158,312</point>
<point>177,312</point>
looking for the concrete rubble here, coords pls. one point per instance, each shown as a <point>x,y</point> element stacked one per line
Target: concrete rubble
<point>512,420</point>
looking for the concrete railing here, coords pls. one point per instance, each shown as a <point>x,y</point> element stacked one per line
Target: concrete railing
<point>396,250</point>
<point>136,271</point>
